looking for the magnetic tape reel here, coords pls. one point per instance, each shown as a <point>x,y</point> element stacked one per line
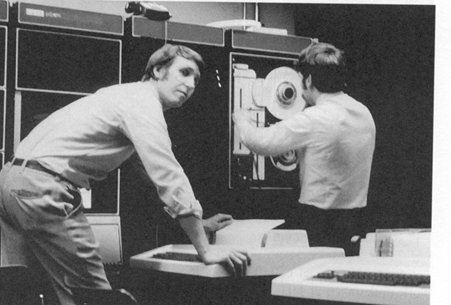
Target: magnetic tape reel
<point>280,92</point>
<point>286,161</point>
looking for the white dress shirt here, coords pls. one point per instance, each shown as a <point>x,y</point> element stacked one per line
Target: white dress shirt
<point>335,141</point>
<point>93,136</point>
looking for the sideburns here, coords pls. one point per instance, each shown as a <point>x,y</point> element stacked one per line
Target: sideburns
<point>304,85</point>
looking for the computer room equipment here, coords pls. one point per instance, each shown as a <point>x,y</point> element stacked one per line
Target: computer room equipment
<point>272,252</point>
<point>52,55</point>
<point>37,83</point>
<point>393,267</point>
<point>359,280</point>
<point>264,83</point>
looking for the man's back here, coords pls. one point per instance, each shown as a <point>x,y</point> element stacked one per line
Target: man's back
<point>335,162</point>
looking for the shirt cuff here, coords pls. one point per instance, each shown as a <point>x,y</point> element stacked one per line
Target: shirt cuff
<point>181,209</point>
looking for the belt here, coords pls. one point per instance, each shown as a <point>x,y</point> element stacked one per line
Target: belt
<point>33,164</point>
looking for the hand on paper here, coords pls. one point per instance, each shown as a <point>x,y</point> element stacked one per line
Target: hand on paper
<point>217,222</point>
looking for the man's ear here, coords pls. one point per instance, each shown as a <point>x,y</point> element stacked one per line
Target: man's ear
<point>157,71</point>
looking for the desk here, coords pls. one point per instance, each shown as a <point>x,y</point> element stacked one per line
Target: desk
<point>161,281</point>
<point>161,288</point>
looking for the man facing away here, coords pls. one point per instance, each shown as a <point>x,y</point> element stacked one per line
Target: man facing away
<point>334,138</point>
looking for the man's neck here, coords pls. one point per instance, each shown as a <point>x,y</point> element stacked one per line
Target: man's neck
<point>326,95</point>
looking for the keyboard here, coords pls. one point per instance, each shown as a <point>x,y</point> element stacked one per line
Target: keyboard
<point>375,278</point>
<point>364,280</point>
<point>178,256</point>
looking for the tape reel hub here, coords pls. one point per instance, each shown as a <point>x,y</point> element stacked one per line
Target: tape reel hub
<point>286,93</point>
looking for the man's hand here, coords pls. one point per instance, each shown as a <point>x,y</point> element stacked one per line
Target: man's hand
<point>240,117</point>
<point>236,261</point>
<point>216,222</point>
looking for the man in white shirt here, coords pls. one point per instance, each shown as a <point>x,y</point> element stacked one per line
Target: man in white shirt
<point>334,138</point>
<point>41,217</point>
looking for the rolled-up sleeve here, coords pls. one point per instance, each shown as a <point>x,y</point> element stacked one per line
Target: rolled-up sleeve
<point>145,126</point>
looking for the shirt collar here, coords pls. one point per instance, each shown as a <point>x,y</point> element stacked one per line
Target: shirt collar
<point>328,97</point>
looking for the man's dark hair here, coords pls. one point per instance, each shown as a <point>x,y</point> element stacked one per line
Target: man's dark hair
<point>326,64</point>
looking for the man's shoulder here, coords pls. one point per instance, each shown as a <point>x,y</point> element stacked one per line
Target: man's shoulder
<point>123,87</point>
<point>136,91</point>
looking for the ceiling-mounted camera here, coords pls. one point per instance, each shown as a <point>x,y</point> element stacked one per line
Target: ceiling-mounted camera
<point>150,10</point>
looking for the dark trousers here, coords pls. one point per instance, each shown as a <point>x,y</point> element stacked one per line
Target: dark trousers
<point>328,228</point>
